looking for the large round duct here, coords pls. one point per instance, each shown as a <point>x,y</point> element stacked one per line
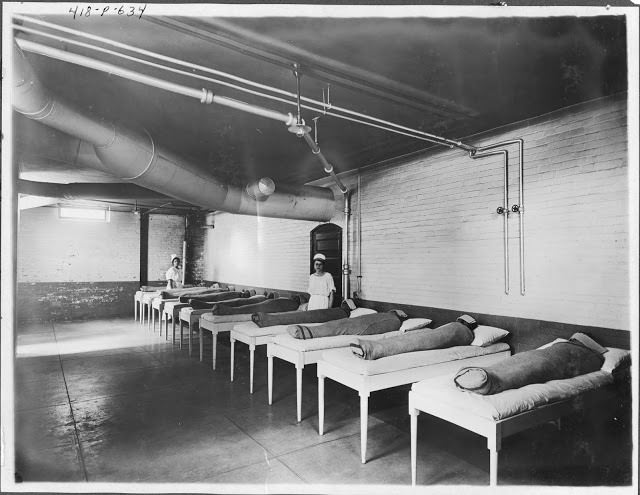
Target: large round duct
<point>135,157</point>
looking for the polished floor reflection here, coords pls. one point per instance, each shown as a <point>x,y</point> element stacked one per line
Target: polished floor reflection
<point>108,400</point>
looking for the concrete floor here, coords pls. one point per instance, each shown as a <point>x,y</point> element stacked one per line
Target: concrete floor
<point>109,401</point>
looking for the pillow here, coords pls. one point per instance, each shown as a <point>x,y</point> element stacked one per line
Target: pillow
<point>303,307</point>
<point>361,312</point>
<point>551,343</point>
<point>484,335</point>
<point>616,359</point>
<point>414,324</point>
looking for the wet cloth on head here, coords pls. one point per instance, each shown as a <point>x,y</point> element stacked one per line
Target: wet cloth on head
<point>362,325</point>
<point>263,319</point>
<point>449,335</point>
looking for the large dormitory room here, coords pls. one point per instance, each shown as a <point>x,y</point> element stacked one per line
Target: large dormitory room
<point>319,249</point>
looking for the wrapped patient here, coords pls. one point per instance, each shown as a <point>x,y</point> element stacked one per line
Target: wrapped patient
<point>197,303</point>
<point>263,319</point>
<point>577,356</point>
<point>270,305</point>
<point>459,332</point>
<point>370,324</point>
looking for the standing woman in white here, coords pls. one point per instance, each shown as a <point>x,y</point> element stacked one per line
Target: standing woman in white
<point>321,286</point>
<point>174,274</point>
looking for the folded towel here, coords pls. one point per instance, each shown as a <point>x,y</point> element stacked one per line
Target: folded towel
<point>557,362</point>
<point>263,319</point>
<point>362,325</point>
<point>270,305</point>
<point>449,335</point>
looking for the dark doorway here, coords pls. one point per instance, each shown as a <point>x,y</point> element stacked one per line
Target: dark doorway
<point>327,239</point>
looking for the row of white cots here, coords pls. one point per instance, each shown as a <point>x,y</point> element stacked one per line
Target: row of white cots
<point>493,416</point>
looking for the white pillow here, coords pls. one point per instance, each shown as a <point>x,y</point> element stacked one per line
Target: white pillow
<point>551,343</point>
<point>361,312</point>
<point>414,324</point>
<point>484,335</point>
<point>615,359</point>
<point>303,307</point>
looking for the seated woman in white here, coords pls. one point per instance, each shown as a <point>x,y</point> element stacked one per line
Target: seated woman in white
<point>321,286</point>
<point>174,274</point>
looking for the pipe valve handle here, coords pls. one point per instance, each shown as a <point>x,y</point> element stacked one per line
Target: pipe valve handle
<point>515,208</point>
<point>500,210</point>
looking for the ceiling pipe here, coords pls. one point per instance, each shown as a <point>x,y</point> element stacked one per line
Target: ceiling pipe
<point>134,156</point>
<point>324,108</point>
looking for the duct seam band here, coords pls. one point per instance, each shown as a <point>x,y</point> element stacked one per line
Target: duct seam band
<point>207,96</point>
<point>113,139</point>
<point>153,154</point>
<point>39,115</point>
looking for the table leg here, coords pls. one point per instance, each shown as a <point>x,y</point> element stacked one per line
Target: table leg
<point>299,393</point>
<point>414,444</point>
<point>252,353</point>
<point>364,417</point>
<point>270,378</point>
<point>320,405</point>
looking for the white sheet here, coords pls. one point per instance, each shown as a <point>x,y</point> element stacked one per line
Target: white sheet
<point>510,402</point>
<point>210,318</point>
<point>345,359</point>
<point>318,344</point>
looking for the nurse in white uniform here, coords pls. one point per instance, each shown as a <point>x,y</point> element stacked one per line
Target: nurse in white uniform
<point>174,274</point>
<point>321,286</point>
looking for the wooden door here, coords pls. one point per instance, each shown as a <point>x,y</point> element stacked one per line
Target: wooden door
<point>327,239</point>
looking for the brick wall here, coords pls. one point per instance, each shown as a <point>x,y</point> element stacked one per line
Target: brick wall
<point>51,249</point>
<point>431,237</point>
<point>166,234</point>
<point>264,252</point>
<point>70,269</point>
<point>195,269</point>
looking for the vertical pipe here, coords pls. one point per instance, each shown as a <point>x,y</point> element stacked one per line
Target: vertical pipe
<point>505,207</point>
<point>346,269</point>
<point>521,210</point>
<point>506,222</point>
<point>359,238</point>
<point>184,250</point>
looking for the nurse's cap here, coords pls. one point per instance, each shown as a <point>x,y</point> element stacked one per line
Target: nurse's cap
<point>320,256</point>
<point>174,256</point>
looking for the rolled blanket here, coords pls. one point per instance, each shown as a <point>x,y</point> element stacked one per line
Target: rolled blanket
<point>212,296</point>
<point>263,319</point>
<point>362,325</point>
<point>270,305</point>
<point>560,361</point>
<point>448,335</point>
<point>232,303</point>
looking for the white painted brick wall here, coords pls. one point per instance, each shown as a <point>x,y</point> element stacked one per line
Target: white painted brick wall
<point>265,252</point>
<point>431,237</point>
<point>51,249</point>
<point>166,234</point>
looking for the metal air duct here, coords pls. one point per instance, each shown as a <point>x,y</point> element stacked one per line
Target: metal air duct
<point>134,156</point>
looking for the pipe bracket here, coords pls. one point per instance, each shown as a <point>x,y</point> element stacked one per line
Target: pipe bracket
<point>207,96</point>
